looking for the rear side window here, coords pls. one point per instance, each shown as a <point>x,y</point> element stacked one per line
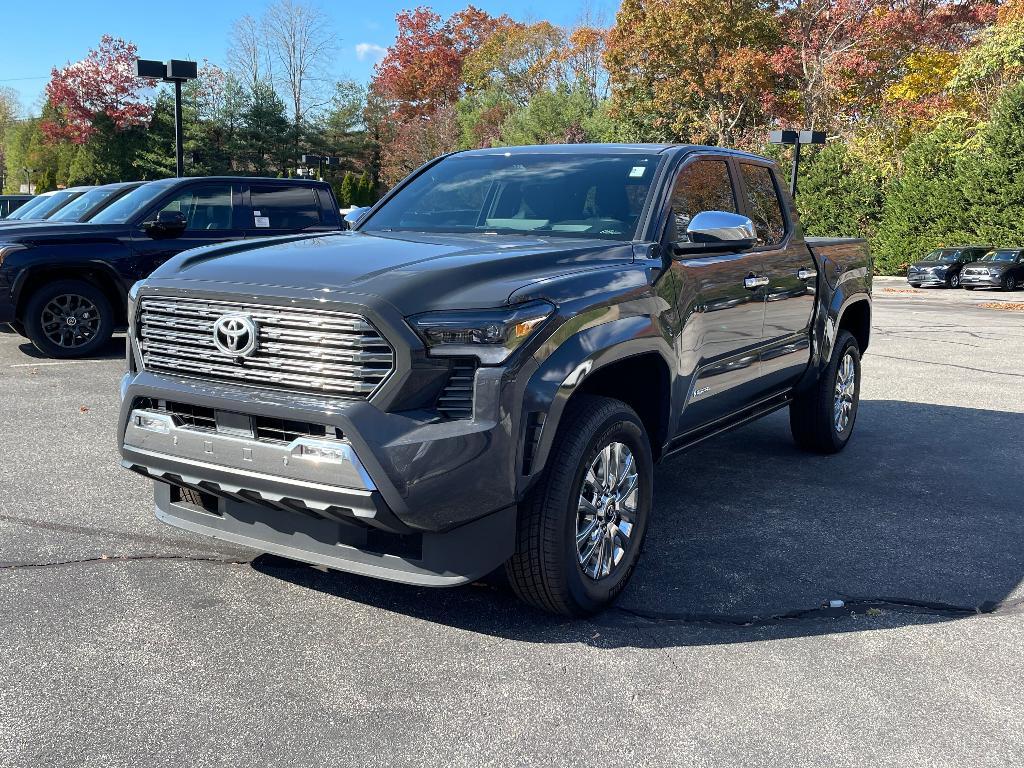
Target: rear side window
<point>704,185</point>
<point>280,207</point>
<point>206,207</point>
<point>763,203</point>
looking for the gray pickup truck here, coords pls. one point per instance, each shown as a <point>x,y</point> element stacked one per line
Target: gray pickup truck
<point>485,370</point>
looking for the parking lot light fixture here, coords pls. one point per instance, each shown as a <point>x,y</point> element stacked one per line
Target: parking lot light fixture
<point>175,71</point>
<point>796,139</point>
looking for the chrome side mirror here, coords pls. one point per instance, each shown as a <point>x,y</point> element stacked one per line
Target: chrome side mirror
<point>717,232</point>
<point>352,217</point>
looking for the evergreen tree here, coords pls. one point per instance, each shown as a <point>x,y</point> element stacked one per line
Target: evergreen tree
<point>348,194</point>
<point>993,182</point>
<point>839,195</point>
<point>924,205</point>
<point>364,189</point>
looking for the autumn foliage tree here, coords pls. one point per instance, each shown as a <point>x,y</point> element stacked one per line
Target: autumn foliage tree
<point>103,83</point>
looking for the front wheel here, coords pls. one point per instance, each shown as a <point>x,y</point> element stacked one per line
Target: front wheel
<point>581,528</point>
<point>68,318</point>
<point>1009,283</point>
<point>822,418</point>
<point>954,281</point>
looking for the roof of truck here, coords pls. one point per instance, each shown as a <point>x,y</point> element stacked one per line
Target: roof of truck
<point>573,149</point>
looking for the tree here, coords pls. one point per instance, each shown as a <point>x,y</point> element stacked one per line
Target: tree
<point>993,180</point>
<point>365,189</point>
<point>706,77</point>
<point>301,42</point>
<point>103,83</point>
<point>348,190</point>
<point>517,60</point>
<point>840,194</point>
<point>416,141</point>
<point>996,61</point>
<point>263,141</point>
<point>924,205</point>
<point>559,116</point>
<point>248,55</point>
<point>422,69</point>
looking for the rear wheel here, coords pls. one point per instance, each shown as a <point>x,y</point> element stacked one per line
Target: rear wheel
<point>68,318</point>
<point>581,528</point>
<point>822,418</point>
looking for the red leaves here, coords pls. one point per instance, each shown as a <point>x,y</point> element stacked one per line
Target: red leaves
<point>103,82</point>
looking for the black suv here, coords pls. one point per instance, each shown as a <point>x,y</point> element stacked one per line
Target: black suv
<point>943,267</point>
<point>64,286</point>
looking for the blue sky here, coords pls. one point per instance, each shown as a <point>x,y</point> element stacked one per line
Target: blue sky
<point>40,37</point>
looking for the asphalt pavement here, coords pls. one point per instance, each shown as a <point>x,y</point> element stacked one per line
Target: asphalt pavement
<point>124,641</point>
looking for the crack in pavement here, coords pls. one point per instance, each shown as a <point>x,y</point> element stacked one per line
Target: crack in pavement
<point>122,558</point>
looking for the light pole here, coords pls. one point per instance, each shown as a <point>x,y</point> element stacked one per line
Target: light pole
<point>174,71</point>
<point>796,138</point>
<point>320,161</point>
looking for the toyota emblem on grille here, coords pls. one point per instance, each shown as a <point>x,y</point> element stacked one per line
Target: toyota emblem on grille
<point>235,335</point>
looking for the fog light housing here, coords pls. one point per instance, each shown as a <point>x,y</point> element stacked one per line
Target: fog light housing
<point>152,422</point>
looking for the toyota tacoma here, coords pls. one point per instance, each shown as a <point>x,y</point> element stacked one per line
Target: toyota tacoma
<point>484,371</point>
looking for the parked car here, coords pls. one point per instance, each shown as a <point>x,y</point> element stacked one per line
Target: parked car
<point>487,368</point>
<point>943,267</point>
<point>11,203</point>
<point>48,205</point>
<point>85,206</point>
<point>24,209</point>
<point>1001,268</point>
<point>64,286</point>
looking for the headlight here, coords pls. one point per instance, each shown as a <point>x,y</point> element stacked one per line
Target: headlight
<point>490,335</point>
<point>8,248</point>
<point>993,271</point>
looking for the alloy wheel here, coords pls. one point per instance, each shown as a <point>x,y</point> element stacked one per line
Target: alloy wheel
<point>70,320</point>
<point>846,385</point>
<point>607,511</point>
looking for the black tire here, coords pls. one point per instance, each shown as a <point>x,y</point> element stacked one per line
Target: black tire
<point>81,301</point>
<point>812,414</point>
<point>1009,283</point>
<point>545,570</point>
<point>953,281</point>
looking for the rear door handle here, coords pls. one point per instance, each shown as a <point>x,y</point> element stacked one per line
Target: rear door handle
<point>753,281</point>
<point>806,274</point>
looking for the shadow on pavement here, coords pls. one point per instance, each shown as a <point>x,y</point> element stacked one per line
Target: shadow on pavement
<point>112,350</point>
<point>923,507</point>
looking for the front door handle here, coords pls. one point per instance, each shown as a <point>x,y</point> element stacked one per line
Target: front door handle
<point>752,282</point>
<point>806,274</point>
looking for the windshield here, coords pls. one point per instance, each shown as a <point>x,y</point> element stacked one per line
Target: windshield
<point>123,210</point>
<point>566,195</point>
<point>945,255</point>
<point>53,203</point>
<point>26,210</point>
<point>999,256</point>
<point>76,209</point>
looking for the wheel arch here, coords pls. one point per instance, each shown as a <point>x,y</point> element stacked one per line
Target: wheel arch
<point>97,274</point>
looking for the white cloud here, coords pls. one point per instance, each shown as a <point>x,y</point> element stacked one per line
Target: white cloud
<point>372,51</point>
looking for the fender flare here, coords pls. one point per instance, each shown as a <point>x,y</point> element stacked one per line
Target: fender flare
<point>564,373</point>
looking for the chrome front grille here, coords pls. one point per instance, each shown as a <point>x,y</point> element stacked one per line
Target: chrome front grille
<point>305,350</point>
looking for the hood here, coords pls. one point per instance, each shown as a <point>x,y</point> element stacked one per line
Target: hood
<point>983,267</point>
<point>412,271</point>
<point>41,232</point>
<point>932,264</point>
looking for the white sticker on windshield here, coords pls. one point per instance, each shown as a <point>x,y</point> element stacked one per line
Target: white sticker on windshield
<point>637,171</point>
<point>262,221</point>
<point>256,213</point>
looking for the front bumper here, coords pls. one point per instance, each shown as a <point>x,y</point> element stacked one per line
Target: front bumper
<point>407,499</point>
<point>981,280</point>
<point>924,278</point>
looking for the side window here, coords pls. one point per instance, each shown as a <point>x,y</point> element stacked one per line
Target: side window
<point>763,204</point>
<point>704,185</point>
<point>281,207</point>
<point>205,207</point>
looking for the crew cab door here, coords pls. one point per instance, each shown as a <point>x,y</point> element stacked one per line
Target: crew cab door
<point>720,314</point>
<point>279,208</point>
<point>791,272</point>
<point>210,209</point>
